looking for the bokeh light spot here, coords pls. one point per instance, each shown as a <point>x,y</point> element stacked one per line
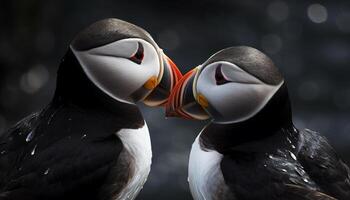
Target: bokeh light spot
<point>317,13</point>
<point>34,79</point>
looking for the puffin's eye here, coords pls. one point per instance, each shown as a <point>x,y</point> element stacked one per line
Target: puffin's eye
<point>220,77</point>
<point>138,56</point>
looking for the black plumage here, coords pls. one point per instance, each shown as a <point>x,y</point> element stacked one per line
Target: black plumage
<point>291,170</point>
<point>266,157</point>
<point>68,150</point>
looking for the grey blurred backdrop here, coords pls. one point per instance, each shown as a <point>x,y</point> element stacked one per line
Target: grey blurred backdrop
<point>308,40</point>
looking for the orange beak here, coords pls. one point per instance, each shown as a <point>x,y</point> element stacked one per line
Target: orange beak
<point>162,88</point>
<point>182,102</point>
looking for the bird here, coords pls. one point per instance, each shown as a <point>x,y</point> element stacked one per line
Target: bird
<point>250,149</point>
<point>91,141</point>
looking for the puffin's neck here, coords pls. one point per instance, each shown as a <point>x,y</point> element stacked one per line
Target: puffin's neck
<point>74,88</point>
<point>271,120</point>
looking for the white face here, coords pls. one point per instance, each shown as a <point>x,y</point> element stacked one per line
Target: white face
<point>127,70</point>
<point>232,95</point>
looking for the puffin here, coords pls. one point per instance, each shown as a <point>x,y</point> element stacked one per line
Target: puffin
<point>250,150</point>
<point>91,141</point>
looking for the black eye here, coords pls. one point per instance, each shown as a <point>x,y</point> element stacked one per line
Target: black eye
<point>138,56</point>
<point>219,76</point>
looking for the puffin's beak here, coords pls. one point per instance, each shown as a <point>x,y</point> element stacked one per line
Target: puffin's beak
<point>182,102</point>
<point>164,84</point>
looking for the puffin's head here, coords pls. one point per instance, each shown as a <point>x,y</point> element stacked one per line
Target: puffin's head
<point>232,86</point>
<point>123,61</point>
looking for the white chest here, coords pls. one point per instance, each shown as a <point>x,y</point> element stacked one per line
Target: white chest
<point>205,176</point>
<point>138,144</point>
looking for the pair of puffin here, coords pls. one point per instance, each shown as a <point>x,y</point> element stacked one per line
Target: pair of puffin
<point>251,150</point>
<point>91,142</point>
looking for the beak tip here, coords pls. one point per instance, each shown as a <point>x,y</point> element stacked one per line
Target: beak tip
<point>170,112</point>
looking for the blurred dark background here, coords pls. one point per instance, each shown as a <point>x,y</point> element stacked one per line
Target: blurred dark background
<point>308,40</point>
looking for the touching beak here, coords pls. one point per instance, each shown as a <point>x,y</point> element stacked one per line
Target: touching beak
<point>163,84</point>
<point>182,102</point>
